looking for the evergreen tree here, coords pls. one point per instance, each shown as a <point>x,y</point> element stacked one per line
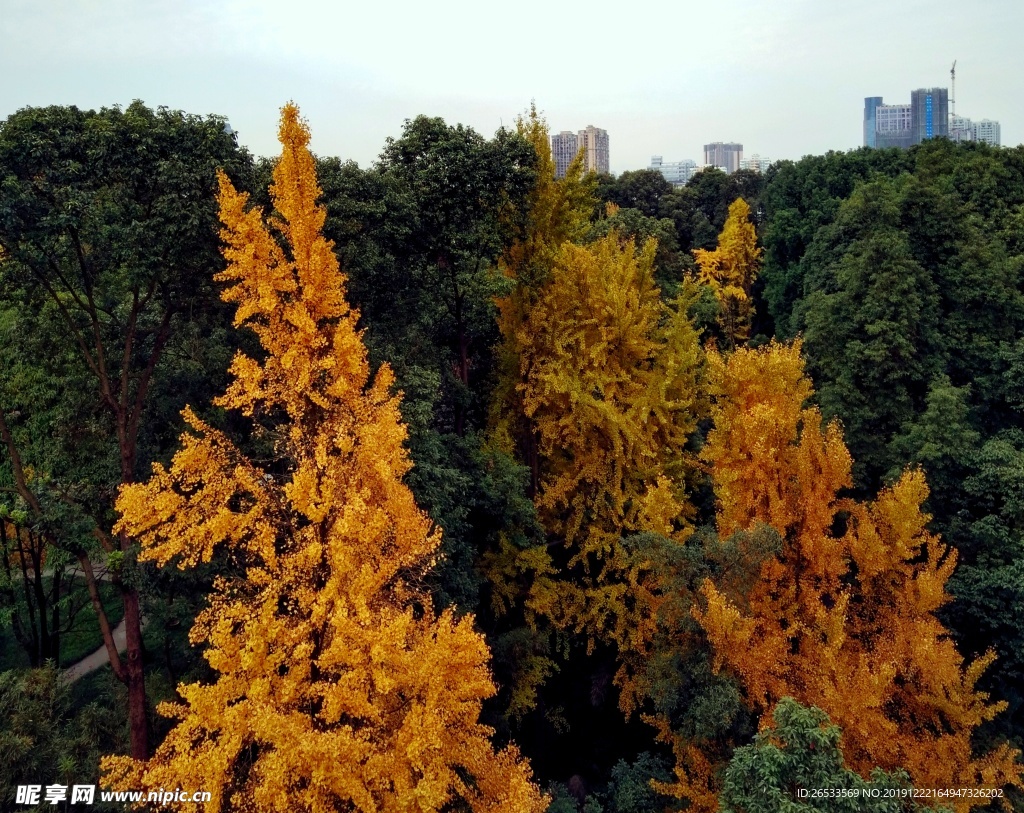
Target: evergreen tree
<point>796,764</point>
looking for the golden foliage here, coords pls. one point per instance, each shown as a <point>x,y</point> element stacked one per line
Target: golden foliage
<point>844,617</point>
<point>597,394</point>
<point>558,211</point>
<point>338,687</point>
<point>612,391</point>
<point>731,269</point>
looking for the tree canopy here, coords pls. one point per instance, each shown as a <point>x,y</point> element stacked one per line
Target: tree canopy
<point>337,682</point>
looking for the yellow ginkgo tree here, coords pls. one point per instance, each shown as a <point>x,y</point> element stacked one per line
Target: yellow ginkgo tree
<point>338,686</point>
<point>844,617</point>
<point>613,391</point>
<point>730,270</point>
<point>558,212</point>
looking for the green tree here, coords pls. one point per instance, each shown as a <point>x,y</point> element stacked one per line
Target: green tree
<point>420,235</point>
<point>641,189</point>
<point>465,195</point>
<point>44,739</point>
<point>108,241</point>
<point>799,756</point>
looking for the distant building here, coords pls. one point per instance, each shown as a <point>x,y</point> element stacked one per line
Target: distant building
<point>988,131</point>
<point>871,104</point>
<point>927,116</point>
<point>756,163</point>
<point>676,173</point>
<point>594,142</point>
<point>724,155</point>
<point>893,126</point>
<point>961,128</point>
<point>929,113</point>
<point>564,148</point>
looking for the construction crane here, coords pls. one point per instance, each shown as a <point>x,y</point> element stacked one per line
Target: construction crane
<point>952,76</point>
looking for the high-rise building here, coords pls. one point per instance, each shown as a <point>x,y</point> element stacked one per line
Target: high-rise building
<point>676,173</point>
<point>724,155</point>
<point>564,148</point>
<point>756,163</point>
<point>893,126</point>
<point>929,113</point>
<point>927,116</point>
<point>871,103</point>
<point>988,131</point>
<point>961,128</point>
<point>594,142</point>
<point>903,125</point>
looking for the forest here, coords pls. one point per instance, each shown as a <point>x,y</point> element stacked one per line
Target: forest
<point>446,484</point>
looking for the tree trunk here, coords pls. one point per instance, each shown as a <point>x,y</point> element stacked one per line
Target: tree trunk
<point>101,617</point>
<point>134,677</point>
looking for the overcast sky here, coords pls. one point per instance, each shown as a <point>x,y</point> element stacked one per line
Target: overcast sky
<point>784,78</point>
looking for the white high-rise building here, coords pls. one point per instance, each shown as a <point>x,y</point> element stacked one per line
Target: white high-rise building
<point>756,163</point>
<point>961,128</point>
<point>676,173</point>
<point>988,131</point>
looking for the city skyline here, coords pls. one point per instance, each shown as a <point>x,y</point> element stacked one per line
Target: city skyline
<point>757,81</point>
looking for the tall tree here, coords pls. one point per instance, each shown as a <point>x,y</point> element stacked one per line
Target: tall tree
<point>558,211</point>
<point>908,294</point>
<point>107,241</point>
<point>419,235</point>
<point>730,270</point>
<point>462,195</point>
<point>612,386</point>
<point>844,616</point>
<point>338,684</point>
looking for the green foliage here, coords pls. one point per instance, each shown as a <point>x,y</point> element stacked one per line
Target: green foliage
<point>799,198</point>
<point>903,270</point>
<point>419,235</point>
<point>108,317</point>
<point>797,756</point>
<point>43,739</point>
<point>642,189</point>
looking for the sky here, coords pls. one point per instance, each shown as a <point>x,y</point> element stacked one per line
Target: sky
<point>785,78</point>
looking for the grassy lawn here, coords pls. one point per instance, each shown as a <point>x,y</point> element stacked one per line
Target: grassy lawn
<point>83,637</point>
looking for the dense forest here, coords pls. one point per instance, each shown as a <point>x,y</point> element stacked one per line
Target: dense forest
<point>445,484</point>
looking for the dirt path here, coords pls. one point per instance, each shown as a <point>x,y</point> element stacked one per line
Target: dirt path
<point>99,658</point>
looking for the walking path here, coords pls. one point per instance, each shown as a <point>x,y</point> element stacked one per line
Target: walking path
<point>99,658</point>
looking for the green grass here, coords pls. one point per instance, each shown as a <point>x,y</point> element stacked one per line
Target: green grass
<point>12,656</point>
<point>83,638</point>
